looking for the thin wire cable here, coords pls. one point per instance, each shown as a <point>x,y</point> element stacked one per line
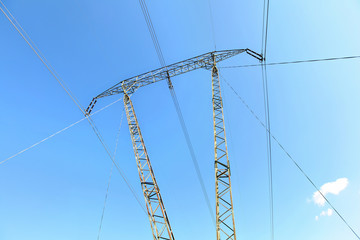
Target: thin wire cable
<point>230,137</point>
<point>268,148</point>
<point>192,153</point>
<point>212,23</point>
<point>56,133</point>
<point>101,141</point>
<point>67,90</point>
<point>122,174</point>
<point>294,62</point>
<point>263,29</point>
<point>177,107</point>
<point>109,181</point>
<point>106,196</point>
<point>152,32</point>
<point>38,53</point>
<point>44,59</point>
<point>291,158</point>
<point>267,113</point>
<point>266,29</point>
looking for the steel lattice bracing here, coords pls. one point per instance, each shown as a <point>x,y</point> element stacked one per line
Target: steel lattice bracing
<point>155,207</point>
<point>225,222</point>
<point>157,215</point>
<point>202,61</point>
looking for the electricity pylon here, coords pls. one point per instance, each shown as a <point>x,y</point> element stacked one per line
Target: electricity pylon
<point>225,223</point>
<point>158,218</point>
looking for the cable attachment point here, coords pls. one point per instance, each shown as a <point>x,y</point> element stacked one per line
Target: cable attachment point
<point>90,107</point>
<point>255,55</point>
<point>169,81</point>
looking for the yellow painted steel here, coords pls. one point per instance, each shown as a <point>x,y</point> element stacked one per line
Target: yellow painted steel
<point>225,222</point>
<point>158,218</point>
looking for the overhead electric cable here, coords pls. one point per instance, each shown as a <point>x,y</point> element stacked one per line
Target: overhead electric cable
<point>109,181</point>
<point>265,28</point>
<point>212,23</point>
<point>192,153</point>
<point>38,53</point>
<point>177,106</point>
<point>122,174</point>
<point>229,135</point>
<point>268,147</point>
<point>56,133</point>
<point>294,62</point>
<point>152,32</point>
<point>291,158</point>
<point>267,112</point>
<point>105,200</point>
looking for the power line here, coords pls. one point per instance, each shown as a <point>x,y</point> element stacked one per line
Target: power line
<point>109,181</point>
<point>231,148</point>
<point>291,158</point>
<point>56,133</point>
<point>152,32</point>
<point>212,23</point>
<point>106,196</point>
<point>268,147</point>
<point>38,53</point>
<point>192,153</point>
<point>265,28</point>
<point>122,174</point>
<point>294,62</point>
<point>267,112</point>
<point>177,106</point>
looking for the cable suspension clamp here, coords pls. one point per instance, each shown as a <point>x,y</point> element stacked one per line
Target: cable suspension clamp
<point>255,55</point>
<point>169,81</point>
<point>90,107</point>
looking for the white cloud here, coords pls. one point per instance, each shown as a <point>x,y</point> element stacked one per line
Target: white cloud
<point>330,187</point>
<point>328,213</point>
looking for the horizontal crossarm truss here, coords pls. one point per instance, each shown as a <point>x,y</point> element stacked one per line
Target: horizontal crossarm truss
<point>202,61</point>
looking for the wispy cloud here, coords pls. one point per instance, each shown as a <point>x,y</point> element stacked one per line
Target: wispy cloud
<point>327,213</point>
<point>330,187</point>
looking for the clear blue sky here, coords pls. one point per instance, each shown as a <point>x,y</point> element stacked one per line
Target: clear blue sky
<point>56,190</point>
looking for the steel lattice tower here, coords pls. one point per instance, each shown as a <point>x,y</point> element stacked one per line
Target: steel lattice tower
<point>225,223</point>
<point>158,218</point>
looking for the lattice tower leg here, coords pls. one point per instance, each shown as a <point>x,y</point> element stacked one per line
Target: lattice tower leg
<point>159,221</point>
<point>225,222</point>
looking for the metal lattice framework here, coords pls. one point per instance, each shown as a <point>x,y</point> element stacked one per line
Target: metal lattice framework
<point>155,207</point>
<point>202,61</point>
<point>225,222</point>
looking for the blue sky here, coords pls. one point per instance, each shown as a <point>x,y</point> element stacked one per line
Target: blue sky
<point>56,190</point>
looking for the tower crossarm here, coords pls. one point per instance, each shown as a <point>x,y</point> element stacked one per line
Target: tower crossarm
<point>160,225</point>
<point>201,61</point>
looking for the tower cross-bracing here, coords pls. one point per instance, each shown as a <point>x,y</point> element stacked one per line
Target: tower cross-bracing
<point>159,221</point>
